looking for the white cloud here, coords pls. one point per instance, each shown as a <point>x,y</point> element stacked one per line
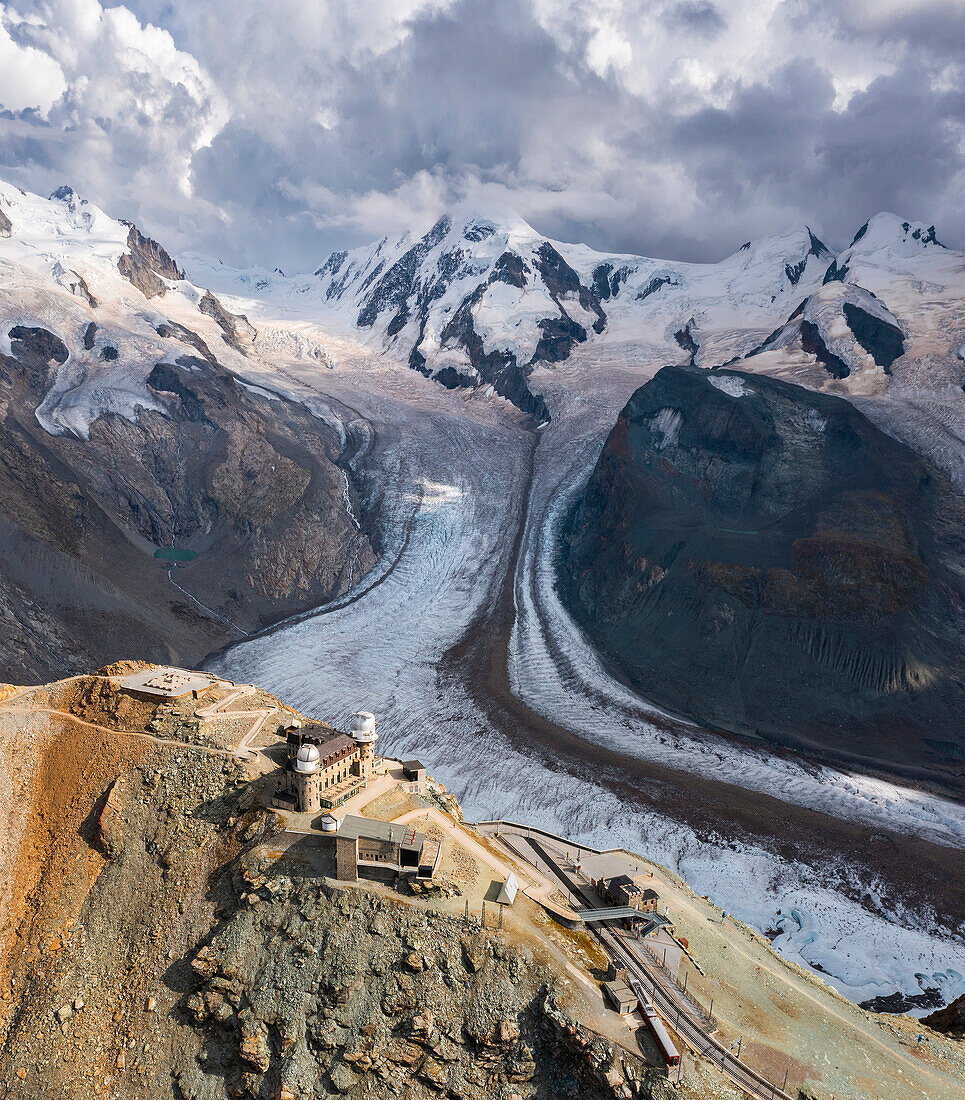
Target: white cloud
<point>269,133</point>
<point>29,79</point>
<point>125,111</point>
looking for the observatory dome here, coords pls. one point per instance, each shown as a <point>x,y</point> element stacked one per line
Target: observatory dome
<point>363,727</point>
<point>307,759</point>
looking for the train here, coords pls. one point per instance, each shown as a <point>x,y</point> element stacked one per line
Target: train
<point>655,1025</point>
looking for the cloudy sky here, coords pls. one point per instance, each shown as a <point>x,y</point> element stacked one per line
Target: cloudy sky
<point>270,131</point>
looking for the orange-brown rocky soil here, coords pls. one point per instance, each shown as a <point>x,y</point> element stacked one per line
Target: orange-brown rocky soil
<point>152,947</point>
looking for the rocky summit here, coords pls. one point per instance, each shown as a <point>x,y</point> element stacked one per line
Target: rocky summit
<point>161,936</point>
<point>762,558</point>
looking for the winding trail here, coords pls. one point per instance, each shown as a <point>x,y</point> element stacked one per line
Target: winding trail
<point>171,742</point>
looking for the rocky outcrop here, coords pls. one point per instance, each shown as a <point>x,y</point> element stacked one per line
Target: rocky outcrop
<point>111,888</point>
<point>762,558</point>
<point>146,264</point>
<point>843,327</point>
<point>883,341</point>
<point>950,1019</point>
<point>236,329</point>
<point>311,990</point>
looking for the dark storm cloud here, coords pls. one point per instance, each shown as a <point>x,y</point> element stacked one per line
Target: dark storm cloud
<point>446,101</point>
<point>271,134</point>
<point>896,145</point>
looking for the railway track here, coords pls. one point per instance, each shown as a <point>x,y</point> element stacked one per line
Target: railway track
<point>676,1009</point>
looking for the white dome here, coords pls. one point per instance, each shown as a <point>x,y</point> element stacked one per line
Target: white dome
<point>363,727</point>
<point>307,759</point>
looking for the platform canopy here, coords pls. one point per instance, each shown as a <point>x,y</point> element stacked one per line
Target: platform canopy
<point>613,912</point>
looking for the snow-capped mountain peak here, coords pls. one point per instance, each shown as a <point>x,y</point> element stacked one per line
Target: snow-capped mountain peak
<point>102,305</point>
<point>484,300</point>
<point>889,231</point>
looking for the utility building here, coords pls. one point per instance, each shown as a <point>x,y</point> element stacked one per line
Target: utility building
<point>620,996</point>
<point>364,843</point>
<point>414,772</point>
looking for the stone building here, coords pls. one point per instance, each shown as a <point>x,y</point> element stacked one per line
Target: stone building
<point>375,846</point>
<point>414,773</point>
<point>622,890</point>
<point>326,767</point>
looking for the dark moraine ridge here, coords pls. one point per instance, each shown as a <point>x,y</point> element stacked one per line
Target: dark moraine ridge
<point>762,558</point>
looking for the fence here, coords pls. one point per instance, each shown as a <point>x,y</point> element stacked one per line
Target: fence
<point>709,1020</point>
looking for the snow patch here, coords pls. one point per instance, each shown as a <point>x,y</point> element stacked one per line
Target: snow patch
<point>258,390</point>
<point>667,422</point>
<point>729,384</point>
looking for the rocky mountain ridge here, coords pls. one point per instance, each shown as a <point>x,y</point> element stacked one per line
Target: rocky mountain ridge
<point>150,499</point>
<point>489,302</point>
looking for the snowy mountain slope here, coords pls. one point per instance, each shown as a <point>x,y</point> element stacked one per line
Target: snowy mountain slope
<point>472,303</point>
<point>890,305</point>
<point>841,331</point>
<point>115,300</point>
<point>483,302</point>
<point>706,303</point>
<point>480,302</point>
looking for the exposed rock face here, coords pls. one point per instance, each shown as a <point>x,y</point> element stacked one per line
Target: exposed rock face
<point>950,1020</point>
<point>762,558</point>
<point>313,991</point>
<point>147,264</point>
<point>236,328</point>
<point>882,340</point>
<point>250,487</point>
<point>123,433</point>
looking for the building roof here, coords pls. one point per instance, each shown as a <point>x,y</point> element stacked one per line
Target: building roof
<point>166,683</point>
<point>623,882</point>
<point>336,747</point>
<point>648,894</point>
<point>405,836</point>
<point>507,892</point>
<point>620,992</point>
<point>318,730</point>
<point>314,753</point>
<point>413,766</point>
